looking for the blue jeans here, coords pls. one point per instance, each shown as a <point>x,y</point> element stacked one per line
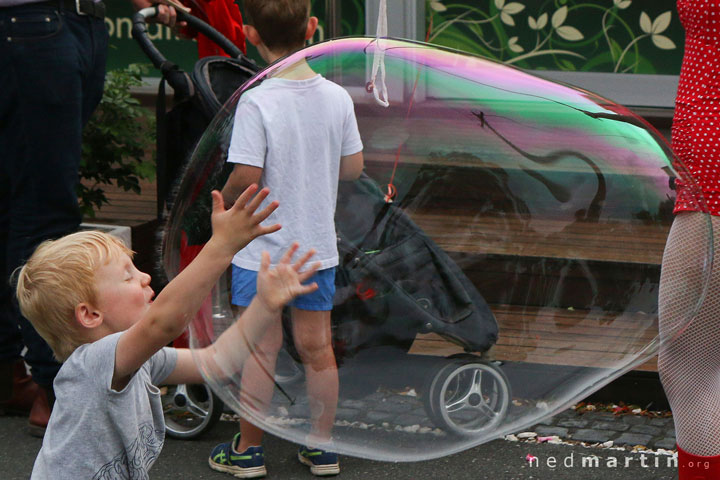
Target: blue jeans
<point>52,72</point>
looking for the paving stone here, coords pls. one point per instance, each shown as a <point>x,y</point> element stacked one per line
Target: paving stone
<point>600,416</point>
<point>359,404</point>
<point>573,423</point>
<point>390,406</point>
<point>408,420</point>
<point>634,419</point>
<point>350,414</point>
<point>646,429</point>
<point>592,436</point>
<point>614,426</point>
<point>549,431</point>
<point>660,422</point>
<point>548,421</point>
<point>299,411</point>
<point>568,413</point>
<point>379,417</point>
<point>632,439</point>
<point>667,443</point>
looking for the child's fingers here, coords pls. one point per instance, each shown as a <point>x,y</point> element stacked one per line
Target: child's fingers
<point>267,210</point>
<point>263,230</point>
<point>302,276</point>
<point>264,261</point>
<point>289,253</point>
<point>255,202</point>
<point>245,196</point>
<point>305,289</point>
<point>217,201</point>
<point>298,265</point>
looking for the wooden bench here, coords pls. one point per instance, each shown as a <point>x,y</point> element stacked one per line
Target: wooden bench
<point>484,245</point>
<point>590,267</point>
<point>127,208</point>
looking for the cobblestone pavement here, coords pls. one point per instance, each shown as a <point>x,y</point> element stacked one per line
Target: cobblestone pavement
<point>626,430</point>
<point>405,414</point>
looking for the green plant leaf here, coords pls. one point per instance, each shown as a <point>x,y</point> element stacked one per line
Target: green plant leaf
<point>116,141</point>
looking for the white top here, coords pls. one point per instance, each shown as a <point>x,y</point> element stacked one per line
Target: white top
<point>296,131</point>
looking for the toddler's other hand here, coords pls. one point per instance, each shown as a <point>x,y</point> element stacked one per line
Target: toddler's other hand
<point>276,287</point>
<point>239,225</point>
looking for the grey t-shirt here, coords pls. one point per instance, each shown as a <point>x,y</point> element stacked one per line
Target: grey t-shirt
<point>96,432</point>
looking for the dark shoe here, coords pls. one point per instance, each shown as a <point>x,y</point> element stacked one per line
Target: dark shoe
<point>321,462</point>
<point>41,410</point>
<point>19,397</point>
<point>248,464</point>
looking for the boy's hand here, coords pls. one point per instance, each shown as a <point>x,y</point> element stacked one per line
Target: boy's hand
<point>276,287</point>
<point>239,225</point>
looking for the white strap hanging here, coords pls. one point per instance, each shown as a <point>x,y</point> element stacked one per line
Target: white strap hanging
<point>380,91</point>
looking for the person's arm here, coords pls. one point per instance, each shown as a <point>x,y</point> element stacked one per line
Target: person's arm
<point>351,166</point>
<point>241,177</point>
<point>181,299</point>
<point>275,288</point>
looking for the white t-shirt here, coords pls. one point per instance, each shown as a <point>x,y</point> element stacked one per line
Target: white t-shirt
<point>296,131</point>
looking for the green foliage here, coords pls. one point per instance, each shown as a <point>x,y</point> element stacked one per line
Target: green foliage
<point>115,141</point>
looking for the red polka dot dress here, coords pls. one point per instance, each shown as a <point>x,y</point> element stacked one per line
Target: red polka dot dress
<point>696,123</point>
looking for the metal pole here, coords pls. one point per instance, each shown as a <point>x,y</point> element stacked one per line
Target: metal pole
<point>333,25</point>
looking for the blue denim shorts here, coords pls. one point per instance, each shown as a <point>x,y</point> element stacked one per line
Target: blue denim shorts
<point>244,288</point>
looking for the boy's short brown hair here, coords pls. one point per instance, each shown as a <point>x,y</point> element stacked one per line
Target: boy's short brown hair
<point>57,278</point>
<point>281,23</point>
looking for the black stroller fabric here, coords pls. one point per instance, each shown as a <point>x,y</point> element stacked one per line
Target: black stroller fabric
<point>212,82</point>
<point>394,281</point>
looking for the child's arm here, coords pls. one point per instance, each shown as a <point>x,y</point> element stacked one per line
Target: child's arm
<point>241,177</point>
<point>275,289</point>
<point>351,166</point>
<point>180,300</point>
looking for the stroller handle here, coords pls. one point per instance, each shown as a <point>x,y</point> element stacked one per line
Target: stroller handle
<point>139,33</point>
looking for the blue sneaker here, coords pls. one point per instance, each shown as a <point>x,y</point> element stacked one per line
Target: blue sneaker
<point>321,463</point>
<point>248,464</point>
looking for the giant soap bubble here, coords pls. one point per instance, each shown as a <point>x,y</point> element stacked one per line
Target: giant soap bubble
<point>500,258</point>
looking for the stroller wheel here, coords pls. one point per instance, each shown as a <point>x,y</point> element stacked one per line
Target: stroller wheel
<point>190,410</point>
<point>467,397</point>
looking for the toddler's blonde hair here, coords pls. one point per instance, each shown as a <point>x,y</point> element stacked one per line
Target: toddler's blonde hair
<point>57,277</point>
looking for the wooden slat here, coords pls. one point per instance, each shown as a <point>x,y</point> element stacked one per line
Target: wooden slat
<point>127,208</point>
<point>608,241</point>
<point>559,337</point>
<point>549,336</point>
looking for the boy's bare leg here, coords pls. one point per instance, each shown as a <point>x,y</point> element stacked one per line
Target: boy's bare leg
<point>257,382</point>
<point>313,341</point>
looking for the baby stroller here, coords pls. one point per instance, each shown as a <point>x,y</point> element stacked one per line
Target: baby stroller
<point>393,281</point>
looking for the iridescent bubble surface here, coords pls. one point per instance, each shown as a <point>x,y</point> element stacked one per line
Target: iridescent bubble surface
<point>514,271</point>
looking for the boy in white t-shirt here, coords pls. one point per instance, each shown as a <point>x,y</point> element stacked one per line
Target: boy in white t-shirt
<point>295,133</point>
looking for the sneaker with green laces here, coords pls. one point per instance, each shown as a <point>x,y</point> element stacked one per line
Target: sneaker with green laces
<point>321,462</point>
<point>248,464</point>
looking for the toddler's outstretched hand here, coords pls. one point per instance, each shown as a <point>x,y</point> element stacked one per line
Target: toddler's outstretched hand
<point>276,287</point>
<point>239,225</point>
